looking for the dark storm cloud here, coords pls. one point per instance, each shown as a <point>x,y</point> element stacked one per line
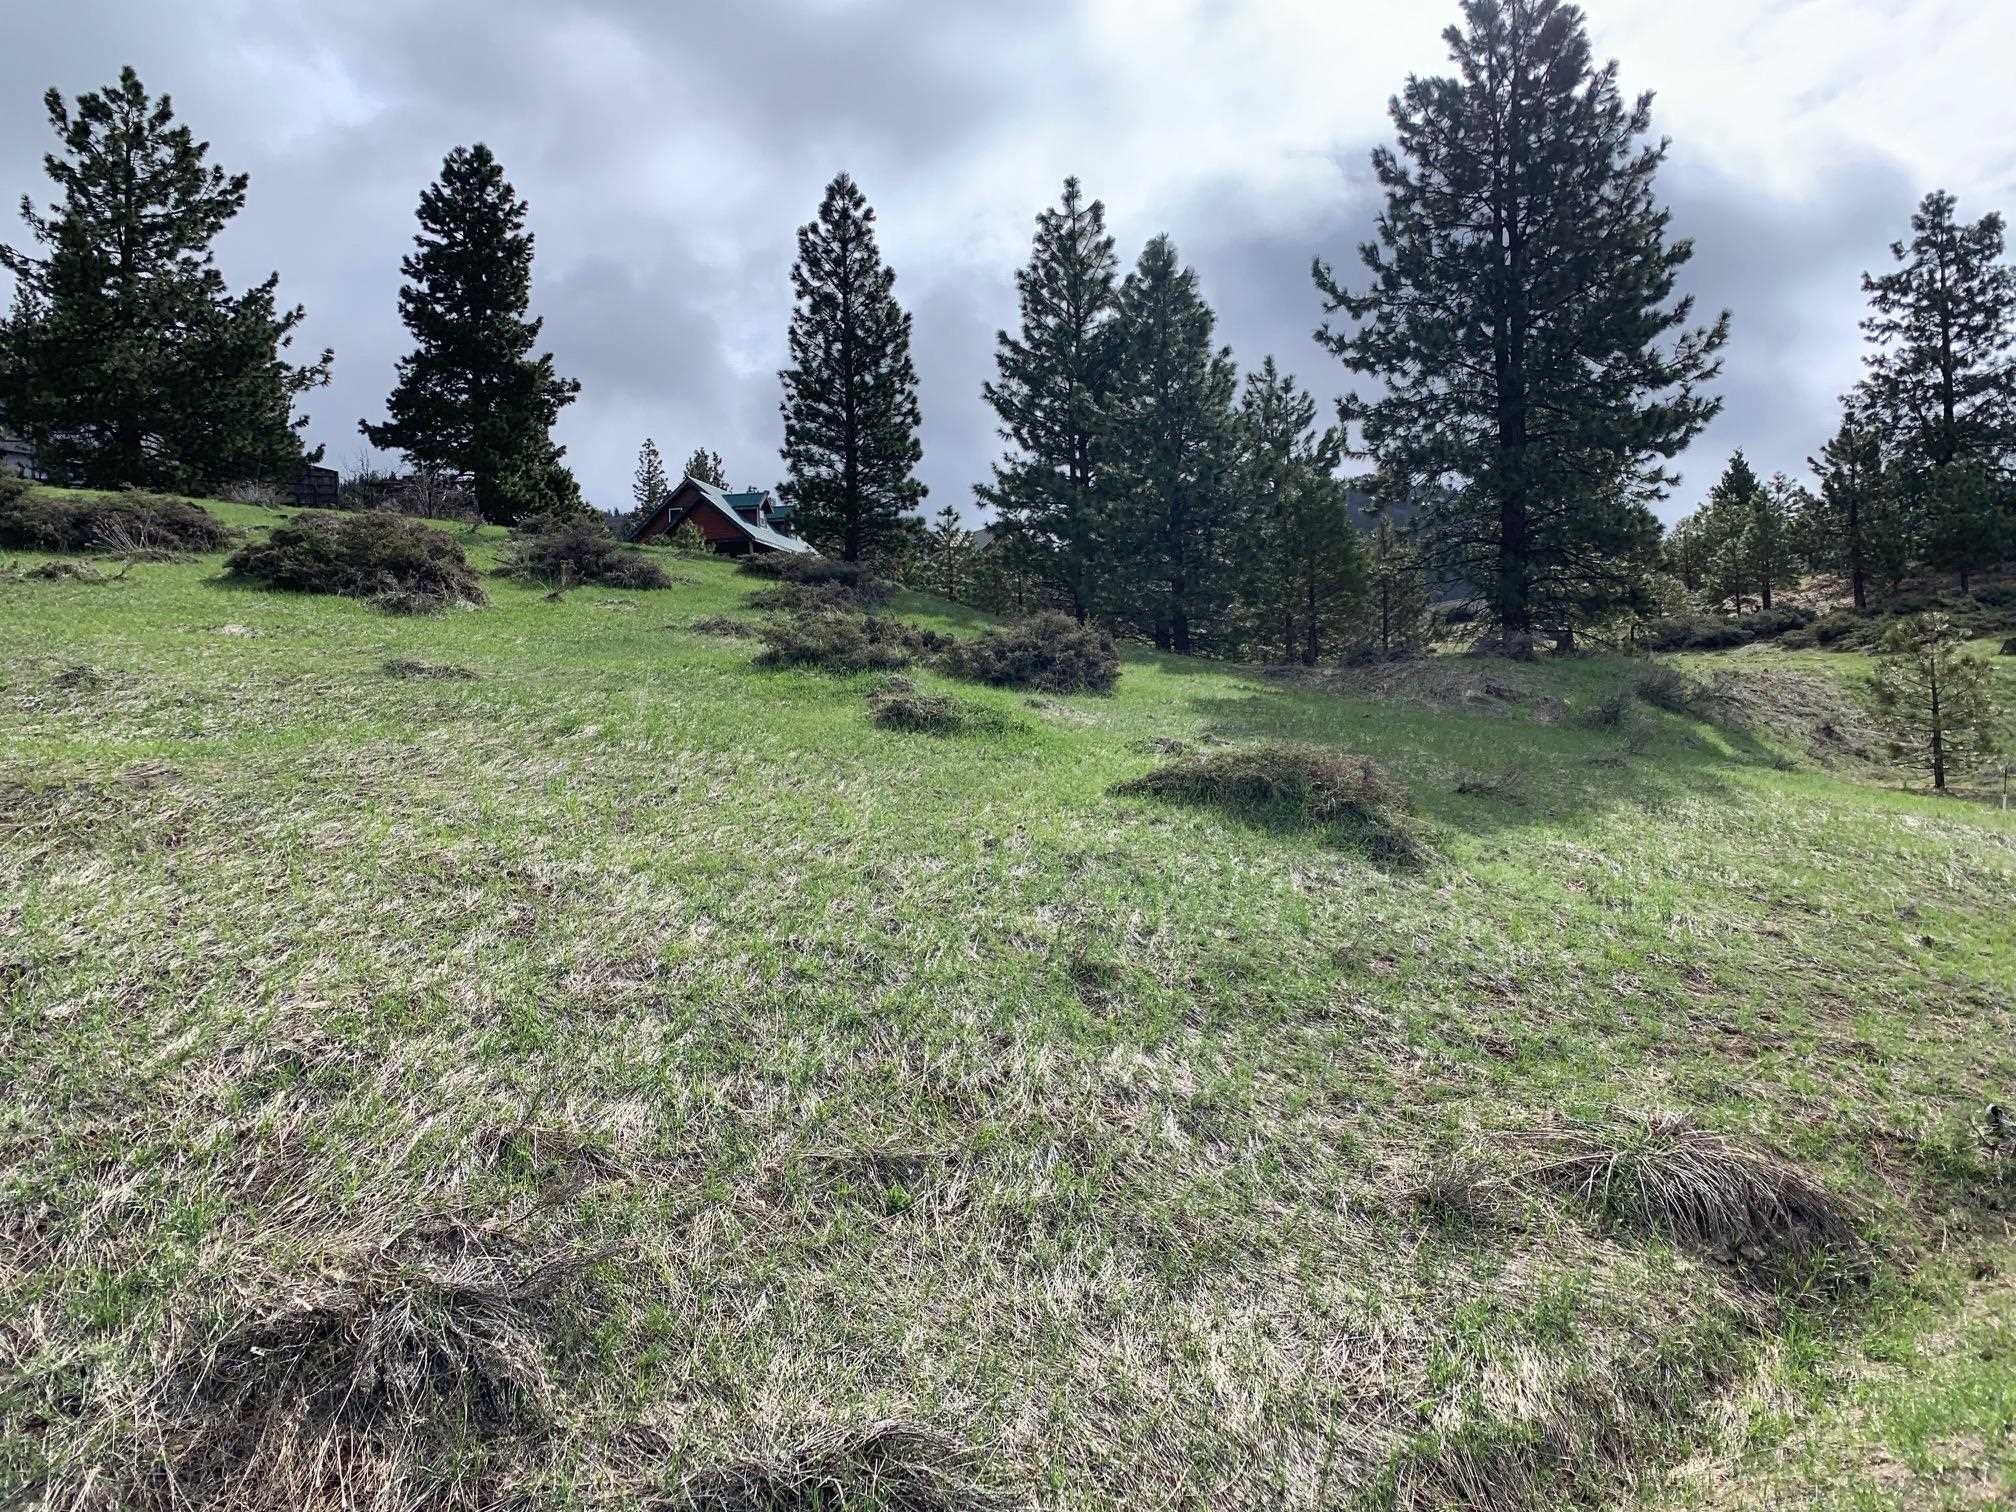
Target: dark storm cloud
<point>669,151</point>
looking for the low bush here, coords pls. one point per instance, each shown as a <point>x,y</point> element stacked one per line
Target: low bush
<point>1712,632</point>
<point>900,704</point>
<point>799,598</point>
<point>726,624</point>
<point>132,524</point>
<point>1665,688</point>
<point>1286,782</point>
<point>1051,653</point>
<point>391,558</point>
<point>2009,646</point>
<point>578,553</point>
<point>1611,711</point>
<point>839,642</point>
<point>810,570</point>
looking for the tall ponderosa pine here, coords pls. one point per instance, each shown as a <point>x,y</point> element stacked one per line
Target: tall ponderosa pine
<point>472,400</point>
<point>704,466</point>
<point>1049,397</point>
<point>1301,565</point>
<point>1849,526</point>
<point>850,394</point>
<point>1169,437</point>
<point>1522,321</point>
<point>649,486</point>
<point>1941,385</point>
<point>126,359</point>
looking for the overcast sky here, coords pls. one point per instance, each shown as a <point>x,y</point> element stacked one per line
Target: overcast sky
<point>669,149</point>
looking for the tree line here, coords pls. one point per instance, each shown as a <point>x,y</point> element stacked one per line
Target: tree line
<point>1532,374</point>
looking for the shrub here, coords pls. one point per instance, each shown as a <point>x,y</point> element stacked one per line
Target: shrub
<point>392,558</point>
<point>687,541</point>
<point>728,625</point>
<point>1665,688</point>
<point>2009,646</point>
<point>811,570</point>
<point>900,705</point>
<point>1609,712</point>
<point>1293,783</point>
<point>1051,653</point>
<point>838,642</point>
<point>133,524</point>
<point>580,553</point>
<point>798,598</point>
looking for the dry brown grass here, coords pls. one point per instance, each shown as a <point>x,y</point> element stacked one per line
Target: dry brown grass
<point>890,1466</point>
<point>408,667</point>
<point>1285,782</point>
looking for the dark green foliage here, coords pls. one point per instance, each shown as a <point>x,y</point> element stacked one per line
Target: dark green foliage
<point>1301,565</point>
<point>1708,632</point>
<point>1855,525</point>
<point>704,466</point>
<point>1170,448</point>
<point>850,394</point>
<point>123,524</point>
<point>1522,324</point>
<point>1393,617</point>
<point>581,553</point>
<point>471,399</point>
<point>410,566</point>
<point>1939,697</point>
<point>1050,489</point>
<point>650,485</point>
<point>1288,783</point>
<point>126,359</point>
<point>900,705</point>
<point>1051,653</point>
<point>837,641</point>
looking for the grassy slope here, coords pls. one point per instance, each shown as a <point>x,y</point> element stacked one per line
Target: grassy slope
<point>901,1080</point>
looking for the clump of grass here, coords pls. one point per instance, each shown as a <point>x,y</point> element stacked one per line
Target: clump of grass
<point>1667,688</point>
<point>900,704</point>
<point>811,571</point>
<point>405,666</point>
<point>389,558</point>
<point>1610,712</point>
<point>1507,785</point>
<point>834,641</point>
<point>889,1466</point>
<point>1051,653</point>
<point>793,598</point>
<point>58,572</point>
<point>572,554</point>
<point>131,524</point>
<point>726,625</point>
<point>1659,1174</point>
<point>358,1382</point>
<point>1290,783</point>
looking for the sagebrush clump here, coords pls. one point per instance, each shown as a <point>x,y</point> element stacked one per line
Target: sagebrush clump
<point>580,554</point>
<point>132,524</point>
<point>1051,653</point>
<point>369,556</point>
<point>810,570</point>
<point>834,641</point>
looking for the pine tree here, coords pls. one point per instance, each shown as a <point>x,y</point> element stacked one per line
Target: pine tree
<point>947,558</point>
<point>1169,437</point>
<point>1940,696</point>
<point>1394,618</point>
<point>1521,319</point>
<point>704,466</point>
<point>650,485</point>
<point>1049,397</point>
<point>1741,542</point>
<point>126,359</point>
<point>471,400</point>
<point>1301,563</point>
<point>850,394</point>
<point>1847,527</point>
<point>1941,380</point>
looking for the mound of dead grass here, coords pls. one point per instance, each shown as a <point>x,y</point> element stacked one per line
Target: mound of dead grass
<point>407,667</point>
<point>133,524</point>
<point>1290,783</point>
<point>358,1385</point>
<point>900,704</point>
<point>1658,1174</point>
<point>879,1467</point>
<point>572,554</point>
<point>1812,712</point>
<point>1050,653</point>
<point>726,625</point>
<point>372,556</point>
<point>835,641</point>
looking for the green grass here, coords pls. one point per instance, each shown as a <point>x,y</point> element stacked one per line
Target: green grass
<point>914,1118</point>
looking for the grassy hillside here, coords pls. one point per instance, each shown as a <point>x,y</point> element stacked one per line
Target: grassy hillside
<point>627,1078</point>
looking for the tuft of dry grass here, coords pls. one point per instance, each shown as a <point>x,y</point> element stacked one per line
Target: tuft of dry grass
<point>724,625</point>
<point>900,704</point>
<point>889,1466</point>
<point>408,667</point>
<point>1657,1173</point>
<point>1288,782</point>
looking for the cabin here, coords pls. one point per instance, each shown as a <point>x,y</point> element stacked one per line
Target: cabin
<point>734,524</point>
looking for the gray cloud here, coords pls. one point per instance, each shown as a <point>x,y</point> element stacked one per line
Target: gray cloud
<point>670,151</point>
